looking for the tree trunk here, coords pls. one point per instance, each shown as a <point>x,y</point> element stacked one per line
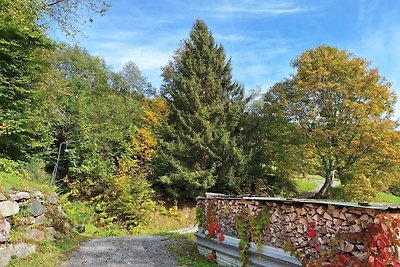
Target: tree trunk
<point>329,174</point>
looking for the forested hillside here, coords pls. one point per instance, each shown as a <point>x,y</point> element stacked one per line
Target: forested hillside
<point>125,145</point>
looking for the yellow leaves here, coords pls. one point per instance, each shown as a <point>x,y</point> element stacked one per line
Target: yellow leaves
<point>144,144</point>
<point>359,189</point>
<point>155,112</point>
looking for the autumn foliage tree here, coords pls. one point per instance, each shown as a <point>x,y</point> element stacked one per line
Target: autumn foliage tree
<point>344,109</point>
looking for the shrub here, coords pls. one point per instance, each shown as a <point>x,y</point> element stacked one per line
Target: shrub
<point>395,189</point>
<point>359,190</point>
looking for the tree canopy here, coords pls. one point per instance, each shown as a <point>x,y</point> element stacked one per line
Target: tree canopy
<point>199,150</point>
<point>343,107</point>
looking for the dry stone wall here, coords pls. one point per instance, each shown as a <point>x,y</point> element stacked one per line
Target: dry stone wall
<point>291,222</point>
<point>26,219</point>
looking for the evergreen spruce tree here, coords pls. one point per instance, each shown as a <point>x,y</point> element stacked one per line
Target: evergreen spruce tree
<point>199,151</point>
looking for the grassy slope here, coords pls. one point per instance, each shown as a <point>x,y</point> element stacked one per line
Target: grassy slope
<point>387,198</point>
<point>184,248</point>
<point>13,182</point>
<point>48,254</point>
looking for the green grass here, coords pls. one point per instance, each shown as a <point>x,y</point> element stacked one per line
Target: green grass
<point>48,254</point>
<point>387,198</point>
<point>184,248</point>
<point>316,177</point>
<point>13,182</point>
<point>304,185</point>
<point>337,194</point>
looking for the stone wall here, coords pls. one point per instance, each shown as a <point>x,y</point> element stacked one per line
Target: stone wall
<point>292,221</point>
<point>26,219</point>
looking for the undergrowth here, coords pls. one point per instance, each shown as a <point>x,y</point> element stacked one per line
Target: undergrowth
<point>184,248</point>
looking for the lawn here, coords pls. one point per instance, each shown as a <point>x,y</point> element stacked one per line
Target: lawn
<point>387,198</point>
<point>304,185</point>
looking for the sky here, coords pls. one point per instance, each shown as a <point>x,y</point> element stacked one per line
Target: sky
<point>261,37</point>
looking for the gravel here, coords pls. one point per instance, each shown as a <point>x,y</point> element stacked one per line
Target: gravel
<point>135,251</point>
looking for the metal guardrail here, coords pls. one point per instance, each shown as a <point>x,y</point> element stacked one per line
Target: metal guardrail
<point>228,253</point>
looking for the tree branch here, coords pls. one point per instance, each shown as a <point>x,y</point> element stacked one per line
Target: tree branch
<point>55,2</point>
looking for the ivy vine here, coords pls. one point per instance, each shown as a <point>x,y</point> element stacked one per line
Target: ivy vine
<point>243,223</point>
<point>200,217</point>
<point>258,224</point>
<point>251,229</point>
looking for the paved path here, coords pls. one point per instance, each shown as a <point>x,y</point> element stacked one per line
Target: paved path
<point>320,183</point>
<point>135,251</point>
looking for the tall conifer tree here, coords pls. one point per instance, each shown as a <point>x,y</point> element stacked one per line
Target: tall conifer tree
<point>199,149</point>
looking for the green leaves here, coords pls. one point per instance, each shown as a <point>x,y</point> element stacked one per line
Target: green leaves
<point>199,150</point>
<point>342,108</point>
<point>23,45</point>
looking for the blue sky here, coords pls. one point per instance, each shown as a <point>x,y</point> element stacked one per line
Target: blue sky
<point>261,37</point>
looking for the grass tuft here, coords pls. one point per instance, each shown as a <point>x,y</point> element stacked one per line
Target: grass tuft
<point>184,248</point>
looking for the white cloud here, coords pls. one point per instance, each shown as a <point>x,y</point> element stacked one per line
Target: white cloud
<point>246,7</point>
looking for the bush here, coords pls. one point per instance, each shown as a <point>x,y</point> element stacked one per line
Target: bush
<point>8,166</point>
<point>35,171</point>
<point>359,190</point>
<point>395,189</point>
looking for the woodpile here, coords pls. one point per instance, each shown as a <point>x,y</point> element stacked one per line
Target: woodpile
<point>289,223</point>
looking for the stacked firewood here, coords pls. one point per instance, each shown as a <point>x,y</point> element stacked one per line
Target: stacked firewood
<point>304,228</point>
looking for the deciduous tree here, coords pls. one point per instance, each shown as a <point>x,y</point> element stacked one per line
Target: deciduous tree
<point>343,107</point>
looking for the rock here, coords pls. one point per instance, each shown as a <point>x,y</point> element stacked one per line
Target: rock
<point>2,197</point>
<point>52,197</point>
<point>5,255</point>
<point>8,208</point>
<point>35,235</point>
<point>24,249</point>
<point>26,220</point>
<point>22,195</point>
<point>42,219</point>
<point>51,233</point>
<point>37,194</point>
<point>5,229</point>
<point>61,213</point>
<point>36,208</point>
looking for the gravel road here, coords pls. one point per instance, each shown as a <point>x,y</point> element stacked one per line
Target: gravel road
<point>135,251</point>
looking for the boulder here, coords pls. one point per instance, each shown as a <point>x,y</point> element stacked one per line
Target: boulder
<point>2,197</point>
<point>51,233</point>
<point>35,235</point>
<point>24,249</point>
<point>5,255</point>
<point>37,194</point>
<point>22,195</point>
<point>5,229</point>
<point>8,208</point>
<point>26,220</point>
<point>52,198</point>
<point>36,208</point>
<point>41,219</point>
